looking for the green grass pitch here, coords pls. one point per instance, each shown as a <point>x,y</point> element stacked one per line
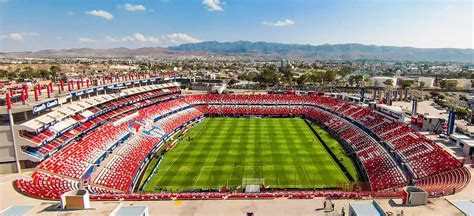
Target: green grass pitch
<point>283,152</point>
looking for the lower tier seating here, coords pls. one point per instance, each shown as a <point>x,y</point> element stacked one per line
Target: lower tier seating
<point>446,183</point>
<point>119,172</point>
<point>44,185</point>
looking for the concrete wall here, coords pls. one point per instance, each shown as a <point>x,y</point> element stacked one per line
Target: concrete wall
<point>429,81</point>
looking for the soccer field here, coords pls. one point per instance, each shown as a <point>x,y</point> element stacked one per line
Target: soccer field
<point>280,152</point>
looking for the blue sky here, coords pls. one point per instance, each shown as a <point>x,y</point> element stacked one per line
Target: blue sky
<point>57,24</point>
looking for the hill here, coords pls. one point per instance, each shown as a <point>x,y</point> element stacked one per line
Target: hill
<point>92,53</point>
<point>334,52</point>
<point>266,50</point>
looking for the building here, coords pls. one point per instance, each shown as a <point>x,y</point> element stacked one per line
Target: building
<point>431,123</point>
<point>461,83</point>
<point>428,82</point>
<point>456,138</point>
<point>283,64</point>
<point>467,147</point>
<point>393,112</point>
<point>380,81</point>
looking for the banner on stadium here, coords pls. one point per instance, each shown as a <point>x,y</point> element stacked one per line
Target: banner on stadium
<point>46,105</point>
<point>414,107</point>
<point>451,118</point>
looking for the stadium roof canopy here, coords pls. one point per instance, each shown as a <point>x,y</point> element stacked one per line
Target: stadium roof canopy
<point>60,113</point>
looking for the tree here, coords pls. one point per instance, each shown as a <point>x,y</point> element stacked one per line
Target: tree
<point>355,79</point>
<point>267,77</point>
<point>26,73</point>
<point>448,84</point>
<point>287,75</point>
<point>422,84</point>
<point>3,73</point>
<point>316,77</point>
<point>54,72</point>
<point>346,70</point>
<point>388,82</point>
<point>462,113</point>
<point>329,76</point>
<point>249,76</point>
<point>405,83</point>
<point>303,79</point>
<point>443,83</point>
<point>12,75</point>
<point>451,84</point>
<point>44,74</point>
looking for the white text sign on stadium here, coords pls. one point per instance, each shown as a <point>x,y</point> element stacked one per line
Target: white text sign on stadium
<point>45,105</point>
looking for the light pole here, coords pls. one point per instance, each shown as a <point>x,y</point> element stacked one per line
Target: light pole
<point>10,118</point>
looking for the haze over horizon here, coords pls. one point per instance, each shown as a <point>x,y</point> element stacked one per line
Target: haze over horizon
<point>54,24</point>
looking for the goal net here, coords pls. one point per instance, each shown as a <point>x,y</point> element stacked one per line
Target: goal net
<point>253,181</point>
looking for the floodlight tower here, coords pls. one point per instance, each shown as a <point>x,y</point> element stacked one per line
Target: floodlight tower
<point>362,91</point>
<point>416,95</point>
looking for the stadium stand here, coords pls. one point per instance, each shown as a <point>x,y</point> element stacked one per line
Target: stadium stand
<point>119,172</point>
<point>150,116</point>
<point>48,140</point>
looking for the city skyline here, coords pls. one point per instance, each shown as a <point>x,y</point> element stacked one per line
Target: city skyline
<point>33,26</point>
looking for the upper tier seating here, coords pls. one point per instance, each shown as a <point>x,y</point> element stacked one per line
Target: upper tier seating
<point>43,150</point>
<point>51,133</point>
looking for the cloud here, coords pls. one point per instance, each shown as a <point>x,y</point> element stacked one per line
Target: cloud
<point>142,38</point>
<point>279,23</point>
<point>136,37</point>
<point>100,13</point>
<point>213,5</point>
<point>111,39</point>
<point>131,7</point>
<point>18,36</point>
<point>162,40</point>
<point>177,38</point>
<point>86,40</point>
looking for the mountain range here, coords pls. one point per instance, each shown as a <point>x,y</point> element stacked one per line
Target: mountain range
<point>268,51</point>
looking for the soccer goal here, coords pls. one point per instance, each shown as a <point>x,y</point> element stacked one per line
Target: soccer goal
<point>252,181</point>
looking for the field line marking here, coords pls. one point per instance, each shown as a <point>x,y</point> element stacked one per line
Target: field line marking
<point>200,173</point>
<point>307,176</point>
<point>189,143</point>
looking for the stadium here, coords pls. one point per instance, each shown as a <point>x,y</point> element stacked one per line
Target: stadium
<point>149,141</point>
